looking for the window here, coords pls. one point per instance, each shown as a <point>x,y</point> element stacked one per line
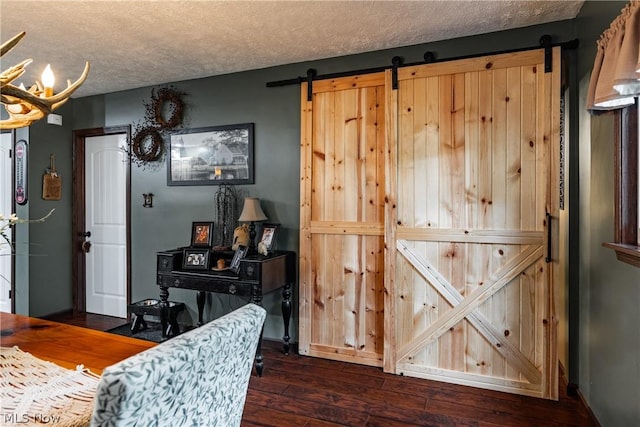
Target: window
<point>627,188</point>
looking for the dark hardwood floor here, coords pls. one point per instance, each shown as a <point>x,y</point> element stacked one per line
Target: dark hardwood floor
<point>305,391</point>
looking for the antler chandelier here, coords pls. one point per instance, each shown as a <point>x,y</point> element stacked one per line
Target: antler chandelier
<point>27,106</point>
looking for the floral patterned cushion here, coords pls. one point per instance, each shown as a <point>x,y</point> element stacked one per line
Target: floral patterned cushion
<point>199,378</point>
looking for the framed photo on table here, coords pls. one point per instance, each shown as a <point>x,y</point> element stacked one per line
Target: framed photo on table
<point>241,252</point>
<point>202,234</point>
<point>195,259</point>
<point>269,231</point>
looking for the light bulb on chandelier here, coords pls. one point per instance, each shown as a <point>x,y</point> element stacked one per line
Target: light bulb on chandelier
<point>25,106</point>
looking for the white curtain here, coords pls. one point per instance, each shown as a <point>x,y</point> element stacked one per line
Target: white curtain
<point>615,79</point>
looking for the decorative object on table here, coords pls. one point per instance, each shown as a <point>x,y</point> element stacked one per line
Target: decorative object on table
<point>240,253</point>
<point>240,236</point>
<point>196,259</point>
<point>252,213</point>
<point>211,156</point>
<point>202,234</point>
<point>220,265</point>
<point>164,112</point>
<point>148,200</point>
<point>268,238</point>
<point>262,249</point>
<point>227,210</point>
<point>26,106</point>
<point>21,171</point>
<point>51,182</point>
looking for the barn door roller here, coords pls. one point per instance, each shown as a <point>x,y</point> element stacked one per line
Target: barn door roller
<point>545,42</point>
<point>311,73</point>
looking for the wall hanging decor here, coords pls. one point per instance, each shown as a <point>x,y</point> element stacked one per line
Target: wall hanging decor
<point>164,112</point>
<point>148,200</point>
<point>167,107</point>
<point>52,182</point>
<point>146,145</point>
<point>21,151</point>
<point>211,156</point>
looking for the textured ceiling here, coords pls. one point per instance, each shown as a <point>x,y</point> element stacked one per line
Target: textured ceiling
<point>134,44</point>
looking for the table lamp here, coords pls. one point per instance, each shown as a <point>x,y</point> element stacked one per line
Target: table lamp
<point>252,212</point>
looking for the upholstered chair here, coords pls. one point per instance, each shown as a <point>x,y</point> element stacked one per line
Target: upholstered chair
<point>199,378</point>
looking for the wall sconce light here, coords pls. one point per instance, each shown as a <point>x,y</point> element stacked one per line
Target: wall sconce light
<point>148,200</point>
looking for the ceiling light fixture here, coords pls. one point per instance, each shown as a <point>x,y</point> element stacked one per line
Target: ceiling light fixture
<point>27,106</point>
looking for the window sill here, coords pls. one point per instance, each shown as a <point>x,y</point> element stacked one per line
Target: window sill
<point>625,253</point>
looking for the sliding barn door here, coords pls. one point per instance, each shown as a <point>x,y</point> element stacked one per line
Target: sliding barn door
<point>472,179</point>
<point>342,218</point>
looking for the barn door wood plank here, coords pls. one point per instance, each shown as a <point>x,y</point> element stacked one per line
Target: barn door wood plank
<point>306,283</point>
<point>390,224</point>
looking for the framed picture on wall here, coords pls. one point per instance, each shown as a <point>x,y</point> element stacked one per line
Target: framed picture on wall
<point>202,234</point>
<point>195,259</point>
<point>211,156</point>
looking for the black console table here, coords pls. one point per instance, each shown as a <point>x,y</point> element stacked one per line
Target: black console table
<point>256,276</point>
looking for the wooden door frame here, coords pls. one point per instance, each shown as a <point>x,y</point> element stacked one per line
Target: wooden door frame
<point>79,267</point>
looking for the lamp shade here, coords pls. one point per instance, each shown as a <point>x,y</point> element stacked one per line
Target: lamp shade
<point>251,211</point>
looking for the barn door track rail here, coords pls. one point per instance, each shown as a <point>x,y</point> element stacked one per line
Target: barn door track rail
<point>429,58</point>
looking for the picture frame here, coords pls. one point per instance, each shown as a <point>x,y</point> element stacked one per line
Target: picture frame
<point>202,234</point>
<point>268,237</point>
<point>211,155</point>
<point>240,253</point>
<point>195,259</point>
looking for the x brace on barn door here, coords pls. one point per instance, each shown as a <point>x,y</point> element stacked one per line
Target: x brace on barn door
<point>464,307</point>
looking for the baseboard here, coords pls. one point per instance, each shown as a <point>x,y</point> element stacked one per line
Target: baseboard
<point>57,314</point>
<point>573,391</point>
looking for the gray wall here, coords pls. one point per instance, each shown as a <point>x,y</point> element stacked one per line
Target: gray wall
<point>607,347</point>
<point>609,290</point>
<point>234,98</point>
<point>50,242</point>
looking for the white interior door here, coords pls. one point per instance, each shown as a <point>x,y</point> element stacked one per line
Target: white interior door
<point>6,173</point>
<point>106,220</point>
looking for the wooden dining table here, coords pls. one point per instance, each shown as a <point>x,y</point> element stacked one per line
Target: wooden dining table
<point>66,345</point>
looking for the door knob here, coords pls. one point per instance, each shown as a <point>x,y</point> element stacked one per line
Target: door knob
<point>86,234</point>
